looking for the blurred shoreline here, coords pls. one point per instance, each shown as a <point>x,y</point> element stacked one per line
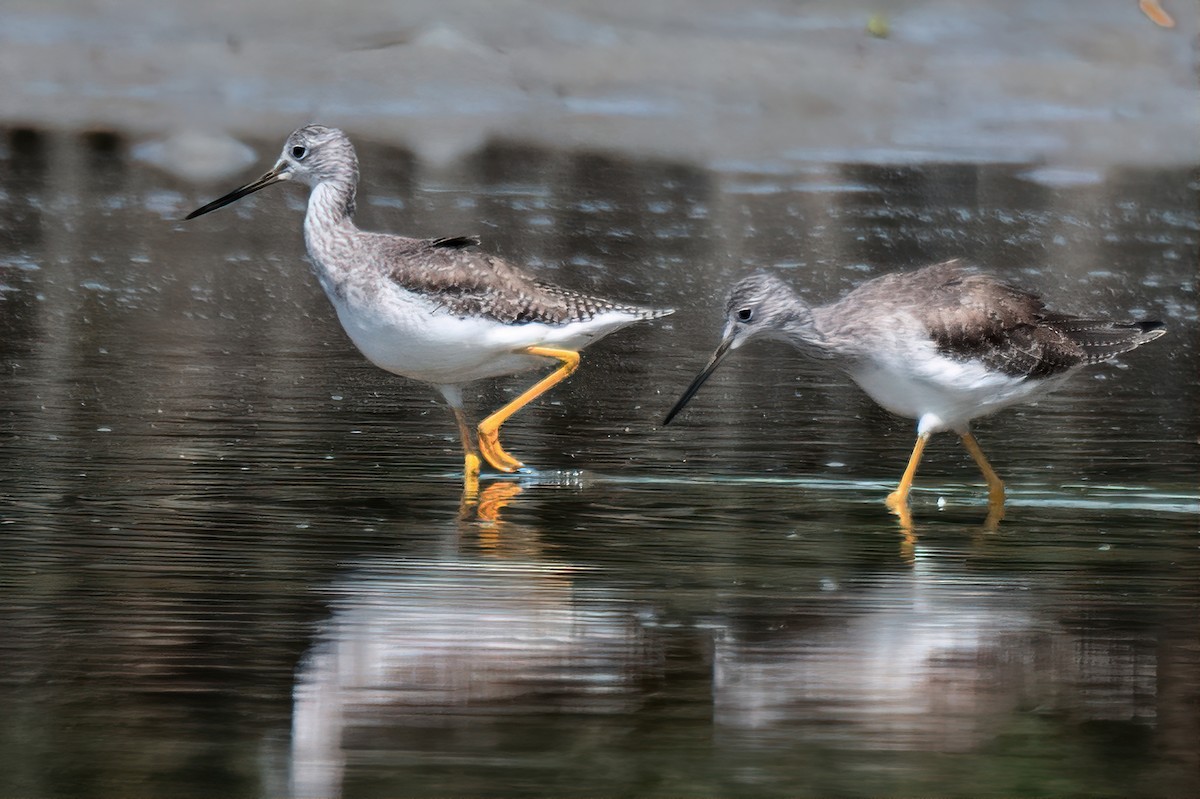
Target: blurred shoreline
<point>759,85</point>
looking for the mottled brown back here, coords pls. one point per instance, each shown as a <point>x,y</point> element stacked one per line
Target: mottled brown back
<point>975,316</point>
<point>468,282</point>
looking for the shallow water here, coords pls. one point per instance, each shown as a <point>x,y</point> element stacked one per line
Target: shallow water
<point>234,560</point>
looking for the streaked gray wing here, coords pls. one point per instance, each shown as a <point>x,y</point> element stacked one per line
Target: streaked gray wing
<point>976,316</point>
<point>467,282</point>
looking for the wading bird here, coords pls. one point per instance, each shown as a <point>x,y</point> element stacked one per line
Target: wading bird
<point>942,345</point>
<point>436,310</point>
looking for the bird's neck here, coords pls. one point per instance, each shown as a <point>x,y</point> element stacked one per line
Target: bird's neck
<point>329,228</point>
<point>330,208</point>
<point>330,204</point>
<point>803,332</point>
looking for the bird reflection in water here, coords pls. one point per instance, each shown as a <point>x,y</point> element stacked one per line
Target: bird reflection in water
<point>485,506</point>
<point>419,654</point>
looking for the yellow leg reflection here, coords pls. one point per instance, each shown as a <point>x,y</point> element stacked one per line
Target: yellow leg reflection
<point>481,511</point>
<point>908,544</point>
<point>493,499</point>
<point>485,506</point>
<point>995,484</point>
<point>489,428</point>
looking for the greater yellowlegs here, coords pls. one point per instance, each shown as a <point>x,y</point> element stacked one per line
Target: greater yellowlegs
<point>436,310</point>
<point>943,345</point>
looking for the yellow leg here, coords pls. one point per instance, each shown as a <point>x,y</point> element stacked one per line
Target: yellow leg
<point>995,484</point>
<point>470,456</point>
<point>489,428</point>
<point>897,501</point>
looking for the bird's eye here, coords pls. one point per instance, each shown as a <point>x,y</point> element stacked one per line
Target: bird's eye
<point>299,152</point>
<point>746,314</point>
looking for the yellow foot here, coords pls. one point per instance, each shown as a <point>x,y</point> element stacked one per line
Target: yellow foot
<point>493,453</point>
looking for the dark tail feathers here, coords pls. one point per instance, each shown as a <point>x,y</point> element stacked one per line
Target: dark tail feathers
<point>1102,340</point>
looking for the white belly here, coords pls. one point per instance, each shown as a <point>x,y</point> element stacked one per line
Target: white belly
<point>409,337</point>
<point>943,394</point>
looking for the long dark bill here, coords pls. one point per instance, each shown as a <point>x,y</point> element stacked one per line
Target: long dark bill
<point>274,176</point>
<point>713,363</point>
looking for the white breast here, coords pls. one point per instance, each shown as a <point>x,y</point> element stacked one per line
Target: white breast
<point>943,393</point>
<point>407,335</point>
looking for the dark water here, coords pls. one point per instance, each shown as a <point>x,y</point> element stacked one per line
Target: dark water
<point>233,562</point>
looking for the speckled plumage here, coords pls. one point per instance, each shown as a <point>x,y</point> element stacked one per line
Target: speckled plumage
<point>973,316</point>
<point>464,281</point>
<point>437,310</point>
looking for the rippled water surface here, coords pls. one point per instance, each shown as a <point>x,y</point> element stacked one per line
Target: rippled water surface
<point>235,561</point>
